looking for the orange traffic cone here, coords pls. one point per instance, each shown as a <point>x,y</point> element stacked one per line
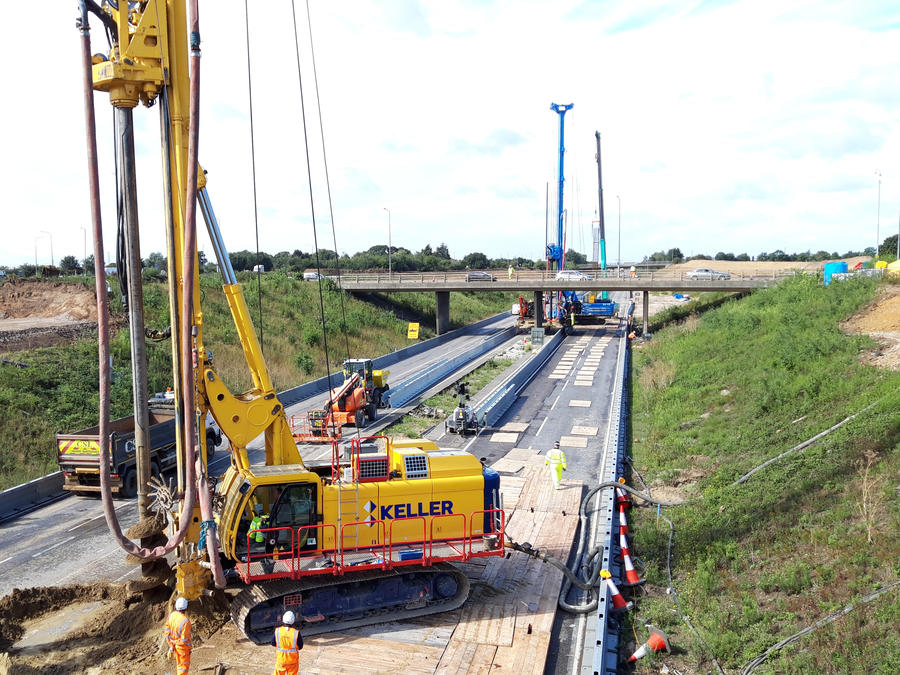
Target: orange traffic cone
<point>623,522</point>
<point>631,575</point>
<point>622,498</point>
<point>623,544</point>
<point>657,642</point>
<point>619,603</point>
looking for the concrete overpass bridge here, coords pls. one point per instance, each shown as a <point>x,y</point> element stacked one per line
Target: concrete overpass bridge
<point>539,282</point>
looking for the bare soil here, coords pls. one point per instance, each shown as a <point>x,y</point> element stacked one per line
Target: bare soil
<point>881,320</point>
<point>122,634</point>
<point>41,314</point>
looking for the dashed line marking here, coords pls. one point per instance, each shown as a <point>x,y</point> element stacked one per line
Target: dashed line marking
<point>64,541</point>
<point>6,560</point>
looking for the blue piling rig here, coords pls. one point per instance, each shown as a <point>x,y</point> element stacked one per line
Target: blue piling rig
<point>555,251</point>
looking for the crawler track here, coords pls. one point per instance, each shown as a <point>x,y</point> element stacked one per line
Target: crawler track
<point>326,604</point>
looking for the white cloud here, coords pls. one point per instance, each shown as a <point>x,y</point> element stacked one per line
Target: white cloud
<point>741,126</point>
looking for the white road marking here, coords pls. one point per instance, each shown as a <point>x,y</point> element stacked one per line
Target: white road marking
<point>6,560</point>
<point>85,522</point>
<point>554,403</point>
<point>542,426</point>
<point>129,572</point>
<point>53,547</point>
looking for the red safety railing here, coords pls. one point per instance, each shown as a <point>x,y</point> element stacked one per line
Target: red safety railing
<point>399,548</point>
<point>267,564</point>
<point>407,551</point>
<point>455,544</point>
<point>492,540</point>
<point>365,557</point>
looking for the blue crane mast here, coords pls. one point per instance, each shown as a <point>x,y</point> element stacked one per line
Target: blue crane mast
<point>556,252</point>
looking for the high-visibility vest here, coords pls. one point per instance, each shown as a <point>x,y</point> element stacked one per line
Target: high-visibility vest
<point>178,631</point>
<point>286,644</point>
<point>556,456</point>
<point>256,524</point>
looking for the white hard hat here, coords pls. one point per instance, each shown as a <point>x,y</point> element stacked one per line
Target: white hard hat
<point>556,444</point>
<point>288,618</point>
<point>181,604</point>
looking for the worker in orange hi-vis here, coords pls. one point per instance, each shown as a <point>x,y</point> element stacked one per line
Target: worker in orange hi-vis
<point>556,459</point>
<point>178,635</point>
<point>289,642</point>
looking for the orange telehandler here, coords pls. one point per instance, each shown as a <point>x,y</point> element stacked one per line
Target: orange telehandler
<point>355,402</point>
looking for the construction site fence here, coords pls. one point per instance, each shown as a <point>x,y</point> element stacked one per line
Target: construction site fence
<point>427,378</point>
<point>290,556</point>
<point>492,408</point>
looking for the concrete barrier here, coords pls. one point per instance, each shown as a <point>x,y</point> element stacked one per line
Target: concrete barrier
<point>23,497</point>
<point>296,394</point>
<point>498,402</point>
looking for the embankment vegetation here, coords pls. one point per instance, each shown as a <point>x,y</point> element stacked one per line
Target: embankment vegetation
<point>716,396</point>
<point>58,391</point>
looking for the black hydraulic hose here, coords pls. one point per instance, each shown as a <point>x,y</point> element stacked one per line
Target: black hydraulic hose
<point>571,577</point>
<point>109,512</point>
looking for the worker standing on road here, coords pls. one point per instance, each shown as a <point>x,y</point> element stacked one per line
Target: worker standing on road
<point>633,272</point>
<point>510,272</point>
<point>178,635</point>
<point>556,460</point>
<point>289,642</point>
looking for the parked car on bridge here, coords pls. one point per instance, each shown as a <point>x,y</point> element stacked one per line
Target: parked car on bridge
<point>706,273</point>
<point>572,275</point>
<point>480,276</point>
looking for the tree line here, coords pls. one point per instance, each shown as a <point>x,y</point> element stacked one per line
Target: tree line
<point>428,259</point>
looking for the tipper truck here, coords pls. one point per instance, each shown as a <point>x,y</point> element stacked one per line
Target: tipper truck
<point>79,452</point>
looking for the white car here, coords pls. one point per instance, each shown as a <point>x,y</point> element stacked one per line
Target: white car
<point>707,274</point>
<point>572,275</point>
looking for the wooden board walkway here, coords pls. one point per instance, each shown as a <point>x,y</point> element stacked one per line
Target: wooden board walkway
<point>505,625</point>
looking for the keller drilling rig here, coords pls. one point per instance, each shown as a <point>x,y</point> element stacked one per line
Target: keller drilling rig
<point>366,537</point>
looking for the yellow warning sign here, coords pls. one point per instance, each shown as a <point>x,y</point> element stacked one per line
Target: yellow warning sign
<point>79,447</point>
<point>412,332</point>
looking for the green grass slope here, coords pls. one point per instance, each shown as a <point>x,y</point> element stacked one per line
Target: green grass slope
<point>754,563</point>
<point>59,389</point>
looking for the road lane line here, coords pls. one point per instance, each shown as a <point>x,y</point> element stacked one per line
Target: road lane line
<point>126,574</point>
<point>89,520</point>
<point>64,541</point>
<point>555,402</point>
<point>6,560</point>
<point>542,426</point>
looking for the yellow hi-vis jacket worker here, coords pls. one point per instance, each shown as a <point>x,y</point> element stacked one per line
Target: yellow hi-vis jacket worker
<point>556,459</point>
<point>178,635</point>
<point>289,642</point>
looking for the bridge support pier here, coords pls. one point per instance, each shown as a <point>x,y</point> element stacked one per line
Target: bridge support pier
<point>646,304</point>
<point>442,318</point>
<point>538,309</point>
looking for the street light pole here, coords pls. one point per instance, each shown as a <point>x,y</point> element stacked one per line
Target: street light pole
<point>52,262</point>
<point>84,236</point>
<point>619,261</point>
<point>878,217</point>
<point>390,273</point>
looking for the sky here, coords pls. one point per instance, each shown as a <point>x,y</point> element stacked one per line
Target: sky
<point>735,126</point>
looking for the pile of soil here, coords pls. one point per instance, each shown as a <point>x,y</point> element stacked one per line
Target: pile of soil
<point>881,320</point>
<point>43,314</point>
<point>21,299</point>
<point>122,635</point>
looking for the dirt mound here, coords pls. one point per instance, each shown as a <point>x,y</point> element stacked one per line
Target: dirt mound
<point>36,299</point>
<point>881,320</point>
<point>43,314</point>
<point>117,632</point>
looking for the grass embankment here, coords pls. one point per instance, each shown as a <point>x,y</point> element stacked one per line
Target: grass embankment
<point>754,563</point>
<point>59,389</point>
